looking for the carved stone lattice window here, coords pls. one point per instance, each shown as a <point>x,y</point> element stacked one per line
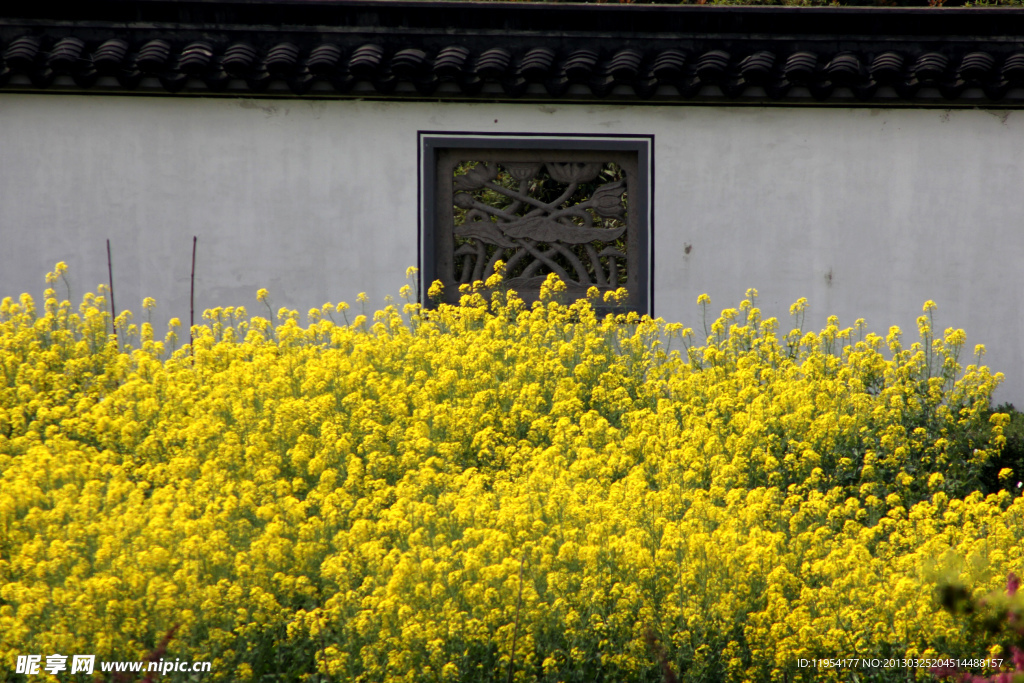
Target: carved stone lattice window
<point>577,207</point>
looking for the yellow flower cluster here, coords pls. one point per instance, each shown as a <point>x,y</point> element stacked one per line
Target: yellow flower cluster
<point>403,497</point>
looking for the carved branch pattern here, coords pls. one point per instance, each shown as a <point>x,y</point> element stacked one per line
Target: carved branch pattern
<point>508,213</point>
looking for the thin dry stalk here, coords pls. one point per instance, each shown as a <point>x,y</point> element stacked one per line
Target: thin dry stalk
<point>158,652</point>
<point>667,674</point>
<point>113,308</point>
<point>515,629</point>
<point>192,298</point>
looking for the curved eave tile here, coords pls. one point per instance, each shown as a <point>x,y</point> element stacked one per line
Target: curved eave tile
<point>401,65</point>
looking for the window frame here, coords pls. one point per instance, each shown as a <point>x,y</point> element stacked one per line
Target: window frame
<point>431,144</point>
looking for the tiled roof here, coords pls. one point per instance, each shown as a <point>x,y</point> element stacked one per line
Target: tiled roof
<point>508,51</point>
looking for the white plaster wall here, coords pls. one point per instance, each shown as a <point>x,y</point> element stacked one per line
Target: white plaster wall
<point>866,212</point>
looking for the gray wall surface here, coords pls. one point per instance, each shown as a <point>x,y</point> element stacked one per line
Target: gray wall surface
<point>866,212</point>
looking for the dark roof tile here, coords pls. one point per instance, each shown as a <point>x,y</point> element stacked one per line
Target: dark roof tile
<point>668,66</point>
<point>845,69</point>
<point>65,54</point>
<point>195,57</point>
<point>977,66</point>
<point>579,65</point>
<point>153,56</point>
<point>22,53</point>
<point>239,59</point>
<point>801,66</point>
<point>930,66</point>
<point>366,61</point>
<point>502,50</point>
<point>758,68</point>
<point>493,63</point>
<point>282,59</point>
<point>1013,68</point>
<point>323,60</point>
<point>409,63</point>
<point>711,67</point>
<point>450,61</point>
<point>536,63</point>
<point>625,65</point>
<point>110,55</point>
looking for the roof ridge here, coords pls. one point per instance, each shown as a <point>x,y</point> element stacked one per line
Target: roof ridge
<point>435,54</point>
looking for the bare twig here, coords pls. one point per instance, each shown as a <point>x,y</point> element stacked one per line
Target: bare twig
<point>515,629</point>
<point>113,308</point>
<point>152,656</point>
<point>667,674</point>
<point>192,298</point>
<point>323,642</point>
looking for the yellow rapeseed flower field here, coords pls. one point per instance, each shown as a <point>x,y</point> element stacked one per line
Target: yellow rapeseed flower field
<point>455,493</point>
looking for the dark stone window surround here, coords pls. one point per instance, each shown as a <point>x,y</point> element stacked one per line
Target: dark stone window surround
<point>641,205</point>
